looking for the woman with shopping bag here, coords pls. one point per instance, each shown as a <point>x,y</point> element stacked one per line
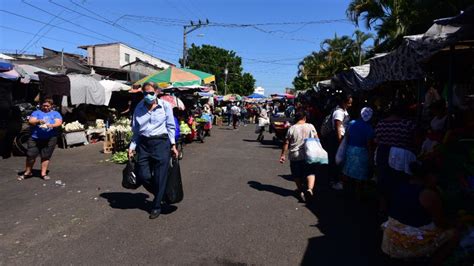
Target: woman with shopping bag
<point>298,138</point>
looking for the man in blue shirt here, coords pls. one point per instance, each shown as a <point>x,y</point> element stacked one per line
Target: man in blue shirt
<point>153,138</point>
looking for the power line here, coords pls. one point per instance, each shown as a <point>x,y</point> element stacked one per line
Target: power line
<point>31,33</point>
<point>27,45</point>
<point>55,26</point>
<point>66,29</point>
<point>75,24</point>
<point>70,22</point>
<point>113,24</point>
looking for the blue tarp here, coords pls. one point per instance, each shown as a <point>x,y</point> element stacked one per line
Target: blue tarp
<point>256,96</point>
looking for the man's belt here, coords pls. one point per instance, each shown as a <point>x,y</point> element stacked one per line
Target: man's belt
<point>162,136</point>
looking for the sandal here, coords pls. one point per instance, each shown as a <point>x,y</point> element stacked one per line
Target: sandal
<point>23,176</point>
<point>46,177</point>
<point>308,195</point>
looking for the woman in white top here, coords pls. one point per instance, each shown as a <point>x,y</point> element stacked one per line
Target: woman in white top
<point>294,144</point>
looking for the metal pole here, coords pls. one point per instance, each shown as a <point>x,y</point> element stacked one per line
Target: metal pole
<point>226,71</point>
<point>62,59</point>
<point>184,48</point>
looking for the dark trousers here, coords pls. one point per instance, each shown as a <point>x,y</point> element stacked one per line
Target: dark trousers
<point>331,145</point>
<point>235,120</point>
<point>153,160</point>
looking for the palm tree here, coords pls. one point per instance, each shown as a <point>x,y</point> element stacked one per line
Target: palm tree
<point>340,53</point>
<point>393,19</point>
<point>360,39</point>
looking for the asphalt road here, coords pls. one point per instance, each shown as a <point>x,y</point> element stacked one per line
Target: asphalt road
<point>238,209</point>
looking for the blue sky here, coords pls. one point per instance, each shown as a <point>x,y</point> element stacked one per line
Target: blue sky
<point>271,52</point>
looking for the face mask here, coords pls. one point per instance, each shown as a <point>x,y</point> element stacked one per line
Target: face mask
<point>149,99</point>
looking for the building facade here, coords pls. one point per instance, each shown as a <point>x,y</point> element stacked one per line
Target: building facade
<point>117,55</point>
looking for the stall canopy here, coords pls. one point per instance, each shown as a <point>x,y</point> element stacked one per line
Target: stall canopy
<point>58,63</point>
<point>407,61</point>
<point>110,86</point>
<point>178,77</point>
<point>256,96</point>
<point>85,89</point>
<point>30,73</point>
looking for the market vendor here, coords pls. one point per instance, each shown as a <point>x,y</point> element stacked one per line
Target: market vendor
<point>153,128</point>
<point>43,138</point>
<point>417,226</point>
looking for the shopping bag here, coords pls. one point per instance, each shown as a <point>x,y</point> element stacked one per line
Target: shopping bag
<point>314,152</point>
<point>258,129</point>
<point>263,122</point>
<point>341,151</point>
<point>129,178</point>
<point>174,186</point>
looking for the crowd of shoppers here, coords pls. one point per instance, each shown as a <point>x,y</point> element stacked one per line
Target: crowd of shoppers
<point>362,152</point>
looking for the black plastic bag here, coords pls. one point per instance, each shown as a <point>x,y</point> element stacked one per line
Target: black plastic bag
<point>174,186</point>
<point>129,179</point>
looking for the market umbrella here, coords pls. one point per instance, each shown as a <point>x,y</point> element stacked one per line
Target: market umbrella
<point>256,96</point>
<point>177,77</point>
<point>11,75</point>
<point>206,77</point>
<point>232,97</point>
<point>174,101</point>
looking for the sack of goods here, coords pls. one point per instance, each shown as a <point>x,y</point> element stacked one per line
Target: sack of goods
<point>314,152</point>
<point>129,179</point>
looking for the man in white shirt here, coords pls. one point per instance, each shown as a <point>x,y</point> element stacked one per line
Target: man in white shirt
<point>235,111</point>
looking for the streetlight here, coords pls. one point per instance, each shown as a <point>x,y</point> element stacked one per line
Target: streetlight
<point>226,71</point>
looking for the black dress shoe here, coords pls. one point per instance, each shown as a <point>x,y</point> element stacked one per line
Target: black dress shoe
<point>154,214</point>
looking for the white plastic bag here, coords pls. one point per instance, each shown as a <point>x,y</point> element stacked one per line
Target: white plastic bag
<point>341,151</point>
<point>314,152</point>
<point>263,122</point>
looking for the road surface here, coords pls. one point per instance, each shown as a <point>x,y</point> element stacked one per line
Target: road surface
<point>238,209</point>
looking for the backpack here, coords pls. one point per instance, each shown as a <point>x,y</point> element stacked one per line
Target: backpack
<point>326,127</point>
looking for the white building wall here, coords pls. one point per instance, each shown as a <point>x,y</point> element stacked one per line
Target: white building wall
<point>134,54</point>
<point>105,56</point>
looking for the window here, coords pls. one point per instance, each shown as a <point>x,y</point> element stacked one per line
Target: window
<point>127,58</point>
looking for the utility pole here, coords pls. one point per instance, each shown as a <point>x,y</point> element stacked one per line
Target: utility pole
<point>188,29</point>
<point>226,71</point>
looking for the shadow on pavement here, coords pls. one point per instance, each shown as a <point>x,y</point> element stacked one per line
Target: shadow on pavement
<point>266,143</point>
<point>350,229</point>
<point>271,188</point>
<point>351,234</point>
<point>126,200</point>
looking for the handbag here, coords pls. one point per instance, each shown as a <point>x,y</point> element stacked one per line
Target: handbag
<point>174,186</point>
<point>314,152</point>
<point>129,178</point>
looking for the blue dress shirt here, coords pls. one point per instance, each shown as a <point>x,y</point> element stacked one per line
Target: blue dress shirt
<point>156,122</point>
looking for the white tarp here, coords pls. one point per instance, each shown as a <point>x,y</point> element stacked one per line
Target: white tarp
<point>111,86</point>
<point>85,89</point>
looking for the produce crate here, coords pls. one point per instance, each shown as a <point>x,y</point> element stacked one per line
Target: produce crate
<point>120,143</point>
<point>109,142</point>
<point>74,138</point>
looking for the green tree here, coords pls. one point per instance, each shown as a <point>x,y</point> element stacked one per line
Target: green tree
<point>393,19</point>
<point>214,60</point>
<point>336,54</point>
